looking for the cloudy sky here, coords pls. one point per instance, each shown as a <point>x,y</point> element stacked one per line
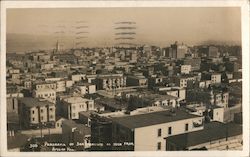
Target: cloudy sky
<point>157,26</point>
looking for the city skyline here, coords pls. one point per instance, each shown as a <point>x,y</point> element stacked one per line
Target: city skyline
<point>154,26</point>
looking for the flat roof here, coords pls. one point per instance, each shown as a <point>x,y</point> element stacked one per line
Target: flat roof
<point>45,90</point>
<point>112,103</point>
<point>212,131</point>
<point>75,99</point>
<point>86,113</point>
<point>73,124</point>
<point>137,76</point>
<point>33,102</point>
<point>148,119</point>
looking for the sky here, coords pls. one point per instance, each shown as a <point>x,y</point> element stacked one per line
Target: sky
<point>155,26</point>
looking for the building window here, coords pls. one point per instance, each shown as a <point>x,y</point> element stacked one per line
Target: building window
<point>186,127</point>
<point>41,117</point>
<point>159,146</point>
<point>13,105</point>
<point>169,130</point>
<point>51,109</point>
<point>41,110</point>
<point>73,115</point>
<point>51,116</point>
<point>159,132</point>
<point>33,119</point>
<point>33,112</point>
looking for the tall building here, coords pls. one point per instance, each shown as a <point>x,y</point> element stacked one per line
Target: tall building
<point>177,51</point>
<point>213,51</point>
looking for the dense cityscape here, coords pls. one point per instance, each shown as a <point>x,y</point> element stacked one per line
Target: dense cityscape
<point>129,97</point>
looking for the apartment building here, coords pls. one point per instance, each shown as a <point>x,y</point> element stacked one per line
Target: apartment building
<point>12,101</point>
<point>45,85</point>
<point>86,88</point>
<point>137,80</point>
<point>48,94</point>
<point>215,78</point>
<point>185,69</point>
<point>178,92</point>
<point>71,106</point>
<point>132,131</point>
<point>35,112</point>
<point>111,82</point>
<point>182,81</point>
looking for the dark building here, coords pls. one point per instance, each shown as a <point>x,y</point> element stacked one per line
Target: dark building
<point>232,66</point>
<point>194,62</point>
<point>101,133</point>
<point>176,51</point>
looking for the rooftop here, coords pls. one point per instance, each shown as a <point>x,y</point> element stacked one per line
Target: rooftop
<point>137,77</point>
<point>211,132</point>
<point>85,113</point>
<point>75,99</point>
<point>112,103</point>
<point>73,124</point>
<point>45,90</point>
<point>33,102</point>
<point>154,118</point>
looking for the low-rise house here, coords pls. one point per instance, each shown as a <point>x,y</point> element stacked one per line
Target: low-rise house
<point>214,113</point>
<point>173,91</point>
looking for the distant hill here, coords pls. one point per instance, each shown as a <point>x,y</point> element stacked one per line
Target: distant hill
<point>24,42</point>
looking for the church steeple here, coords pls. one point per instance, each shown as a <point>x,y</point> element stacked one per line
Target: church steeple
<point>57,46</point>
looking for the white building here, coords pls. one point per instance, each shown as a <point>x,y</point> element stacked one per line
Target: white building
<point>158,125</point>
<point>183,81</point>
<point>174,91</point>
<point>78,77</point>
<point>216,113</point>
<point>34,111</point>
<point>47,66</point>
<point>73,105</point>
<point>48,94</point>
<point>86,88</point>
<point>215,78</point>
<point>185,69</point>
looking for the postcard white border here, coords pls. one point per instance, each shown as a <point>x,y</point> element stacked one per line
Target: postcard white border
<point>244,4</point>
